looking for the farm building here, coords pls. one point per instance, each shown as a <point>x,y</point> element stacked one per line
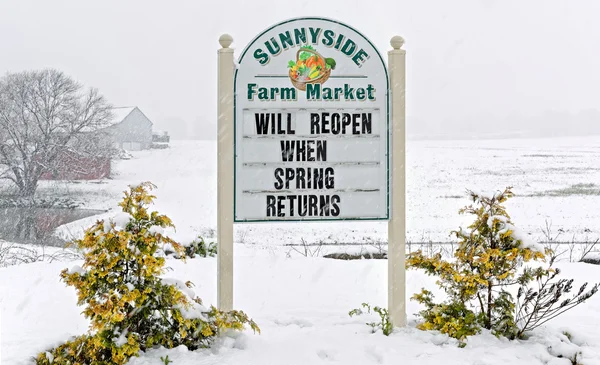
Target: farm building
<point>76,166</point>
<point>131,129</point>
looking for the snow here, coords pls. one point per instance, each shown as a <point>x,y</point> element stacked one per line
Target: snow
<point>120,113</point>
<point>193,311</point>
<point>76,269</point>
<point>156,230</point>
<point>181,286</point>
<point>121,220</point>
<point>301,305</point>
<point>526,241</point>
<point>122,339</point>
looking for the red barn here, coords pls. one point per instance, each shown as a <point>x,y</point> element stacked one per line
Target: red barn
<point>73,166</point>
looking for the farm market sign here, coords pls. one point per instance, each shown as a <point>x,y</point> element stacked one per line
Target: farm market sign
<point>311,125</point>
<point>311,128</point>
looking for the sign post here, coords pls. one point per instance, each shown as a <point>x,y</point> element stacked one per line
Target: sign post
<point>225,175</point>
<point>306,125</point>
<point>397,224</point>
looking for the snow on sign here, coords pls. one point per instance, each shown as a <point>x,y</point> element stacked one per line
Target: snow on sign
<point>311,125</point>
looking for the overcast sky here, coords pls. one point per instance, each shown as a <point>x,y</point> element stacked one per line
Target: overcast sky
<point>465,59</point>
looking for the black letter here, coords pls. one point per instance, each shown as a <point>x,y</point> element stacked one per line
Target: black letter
<point>278,174</point>
<point>270,205</point>
<point>300,182</point>
<point>355,123</point>
<point>322,150</point>
<point>310,150</point>
<point>366,123</point>
<point>335,209</point>
<point>302,205</point>
<point>324,205</point>
<point>335,123</point>
<point>346,120</point>
<point>325,121</point>
<point>292,199</point>
<point>300,150</point>
<point>317,178</point>
<point>314,123</point>
<point>313,208</point>
<point>289,175</point>
<point>329,181</point>
<point>280,206</point>
<point>262,123</point>
<point>287,150</point>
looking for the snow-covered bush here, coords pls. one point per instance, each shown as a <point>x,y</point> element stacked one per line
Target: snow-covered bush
<point>201,248</point>
<point>130,307</point>
<point>384,318</point>
<point>198,247</point>
<point>488,263</point>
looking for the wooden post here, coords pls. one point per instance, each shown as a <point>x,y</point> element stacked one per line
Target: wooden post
<point>225,175</point>
<point>397,222</point>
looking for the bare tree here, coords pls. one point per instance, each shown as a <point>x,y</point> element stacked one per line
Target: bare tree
<point>44,114</point>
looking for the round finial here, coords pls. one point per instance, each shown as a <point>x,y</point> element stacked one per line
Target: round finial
<point>225,40</point>
<point>397,42</point>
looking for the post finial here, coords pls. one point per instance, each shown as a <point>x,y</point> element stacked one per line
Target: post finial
<point>225,40</point>
<point>397,42</point>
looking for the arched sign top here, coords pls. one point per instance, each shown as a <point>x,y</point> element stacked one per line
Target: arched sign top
<point>311,115</point>
<point>313,38</point>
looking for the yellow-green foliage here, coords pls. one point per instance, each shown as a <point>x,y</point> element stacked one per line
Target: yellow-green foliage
<point>488,260</point>
<point>384,318</point>
<point>201,248</point>
<point>128,304</point>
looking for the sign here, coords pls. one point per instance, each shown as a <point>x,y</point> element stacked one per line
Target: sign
<point>311,116</point>
<point>305,134</point>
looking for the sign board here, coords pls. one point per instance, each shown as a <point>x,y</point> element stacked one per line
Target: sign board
<point>311,114</point>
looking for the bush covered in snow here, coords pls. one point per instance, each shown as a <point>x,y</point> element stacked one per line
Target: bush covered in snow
<point>384,318</point>
<point>130,307</point>
<point>201,248</point>
<point>489,264</point>
<point>198,247</point>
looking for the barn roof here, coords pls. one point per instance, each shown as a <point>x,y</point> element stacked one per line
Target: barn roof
<point>120,113</point>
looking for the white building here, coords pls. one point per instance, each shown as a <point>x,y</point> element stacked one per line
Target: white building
<point>131,129</point>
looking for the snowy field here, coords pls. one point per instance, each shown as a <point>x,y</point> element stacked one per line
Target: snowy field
<point>302,303</point>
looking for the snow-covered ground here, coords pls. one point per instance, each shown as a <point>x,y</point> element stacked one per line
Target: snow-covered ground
<point>302,303</point>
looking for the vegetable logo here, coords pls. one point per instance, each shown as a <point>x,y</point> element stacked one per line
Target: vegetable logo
<point>309,68</point>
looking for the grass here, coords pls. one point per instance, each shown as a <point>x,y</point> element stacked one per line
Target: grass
<point>548,156</point>
<point>362,256</point>
<point>587,189</point>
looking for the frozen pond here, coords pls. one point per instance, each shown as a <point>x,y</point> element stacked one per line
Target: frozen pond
<point>36,225</point>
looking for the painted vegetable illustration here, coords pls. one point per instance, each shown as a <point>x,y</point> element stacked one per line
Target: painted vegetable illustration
<point>309,68</point>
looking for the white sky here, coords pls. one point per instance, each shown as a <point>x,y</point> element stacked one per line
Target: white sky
<point>465,58</point>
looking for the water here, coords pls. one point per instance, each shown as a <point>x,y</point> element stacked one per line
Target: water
<point>36,225</point>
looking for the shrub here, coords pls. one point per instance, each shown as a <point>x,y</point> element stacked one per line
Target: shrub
<point>384,319</point>
<point>200,248</point>
<point>196,247</point>
<point>534,307</point>
<point>488,262</point>
<point>130,307</point>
